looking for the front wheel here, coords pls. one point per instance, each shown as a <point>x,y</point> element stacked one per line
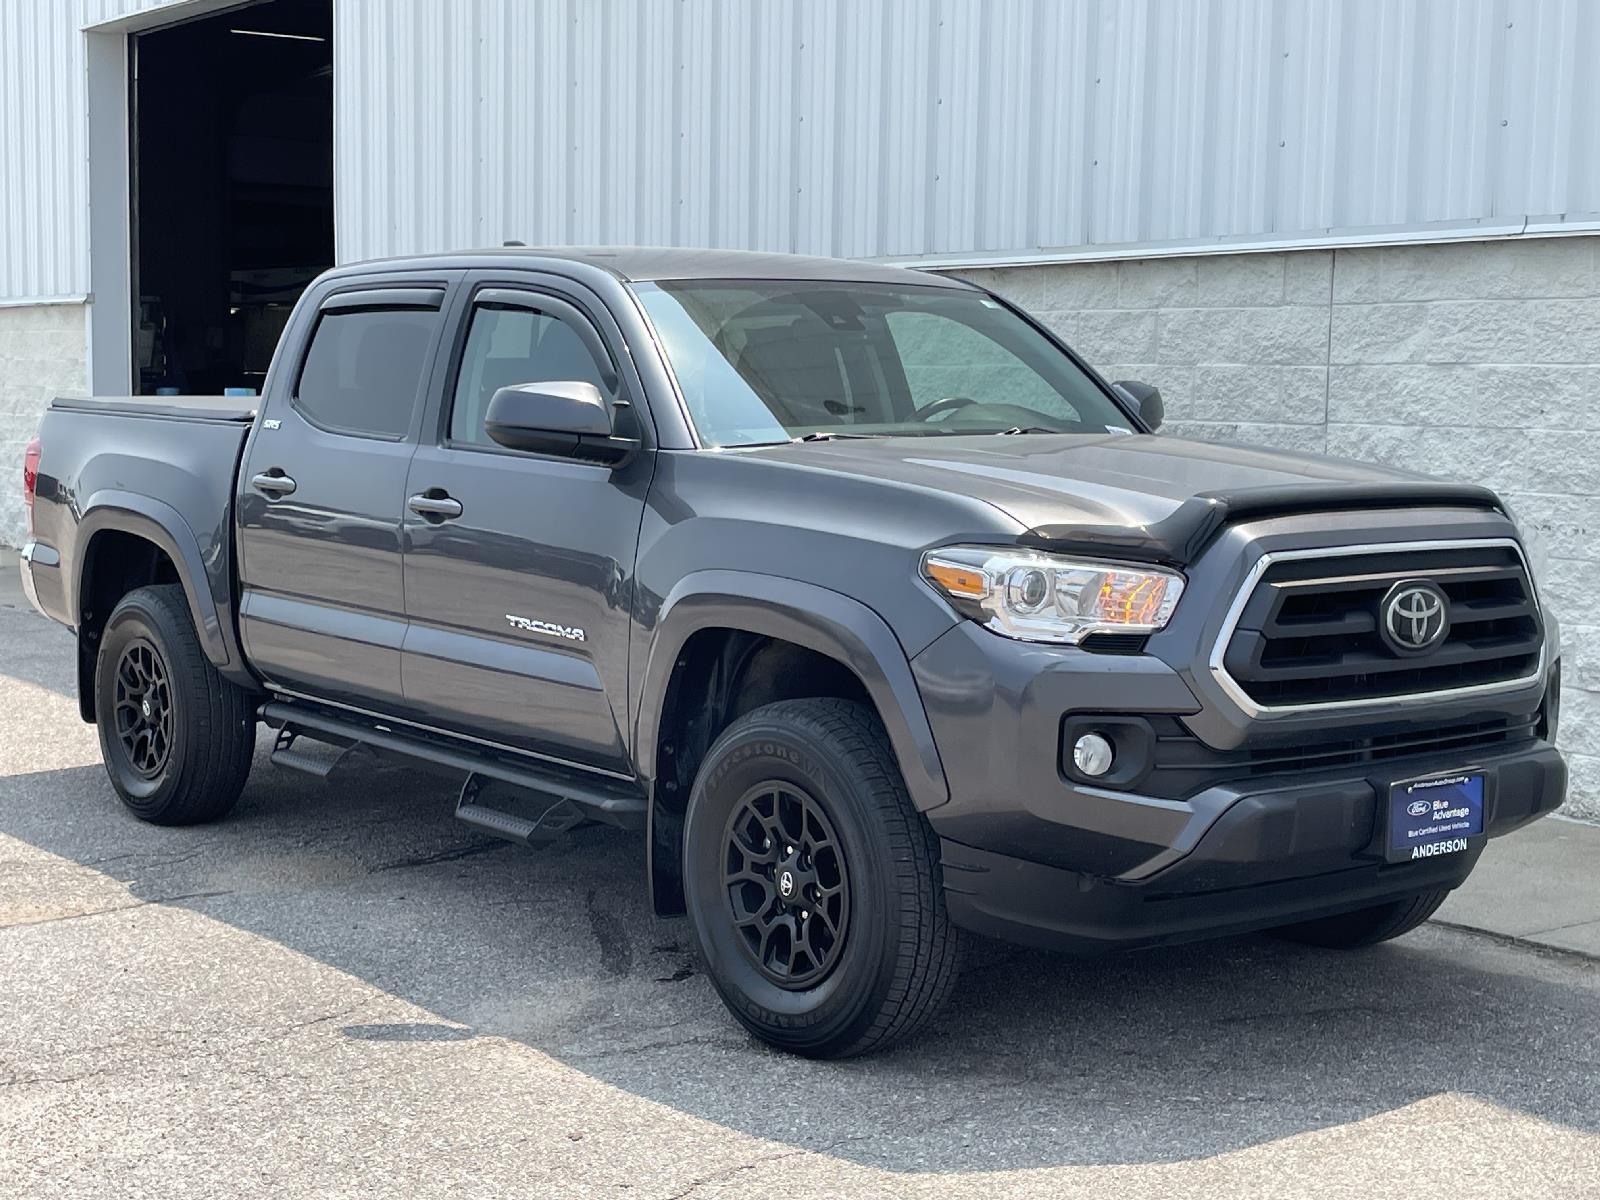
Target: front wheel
<point>176,737</point>
<point>813,883</point>
<point>1367,926</point>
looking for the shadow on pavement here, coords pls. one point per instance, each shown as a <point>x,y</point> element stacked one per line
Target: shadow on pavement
<point>37,651</point>
<point>1165,1056</point>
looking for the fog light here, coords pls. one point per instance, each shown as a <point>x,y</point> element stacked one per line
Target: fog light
<point>1092,754</point>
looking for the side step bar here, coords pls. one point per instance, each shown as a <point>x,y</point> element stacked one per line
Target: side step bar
<point>588,797</point>
<point>517,814</point>
<point>287,752</point>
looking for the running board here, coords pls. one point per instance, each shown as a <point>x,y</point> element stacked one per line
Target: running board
<point>287,752</point>
<point>517,814</point>
<point>595,797</point>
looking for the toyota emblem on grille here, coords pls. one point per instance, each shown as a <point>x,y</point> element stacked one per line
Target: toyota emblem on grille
<point>1414,616</point>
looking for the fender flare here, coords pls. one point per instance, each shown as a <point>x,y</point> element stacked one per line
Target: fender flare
<point>808,615</point>
<point>162,525</point>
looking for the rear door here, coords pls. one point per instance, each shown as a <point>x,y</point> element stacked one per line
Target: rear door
<point>519,566</point>
<point>322,490</point>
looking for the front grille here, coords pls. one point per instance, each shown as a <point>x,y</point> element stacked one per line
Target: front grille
<point>1184,765</point>
<point>1309,632</point>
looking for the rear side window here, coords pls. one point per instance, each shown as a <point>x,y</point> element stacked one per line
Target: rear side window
<point>507,346</point>
<point>363,373</point>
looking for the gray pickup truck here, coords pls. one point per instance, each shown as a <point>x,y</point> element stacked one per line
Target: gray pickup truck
<point>876,610</point>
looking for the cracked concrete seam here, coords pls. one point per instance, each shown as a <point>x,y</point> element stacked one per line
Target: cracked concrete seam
<point>1539,933</point>
<point>824,1148</point>
<point>118,908</point>
<point>1521,942</point>
<point>599,1056</point>
<point>443,856</point>
<point>762,1160</point>
<point>182,1045</point>
<point>958,1116</point>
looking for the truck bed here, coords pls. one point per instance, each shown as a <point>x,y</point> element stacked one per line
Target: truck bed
<point>163,468</point>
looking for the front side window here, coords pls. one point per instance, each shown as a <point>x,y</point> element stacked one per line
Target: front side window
<point>945,358</point>
<point>507,346</point>
<point>363,371</point>
<point>761,361</point>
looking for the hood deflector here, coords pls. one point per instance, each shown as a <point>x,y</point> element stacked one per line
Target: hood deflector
<point>1179,538</point>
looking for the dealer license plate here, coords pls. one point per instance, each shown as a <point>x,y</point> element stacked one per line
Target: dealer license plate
<point>1436,815</point>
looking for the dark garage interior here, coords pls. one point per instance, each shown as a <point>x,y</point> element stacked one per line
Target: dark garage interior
<point>232,158</point>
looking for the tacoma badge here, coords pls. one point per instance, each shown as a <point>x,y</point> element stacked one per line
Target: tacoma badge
<point>528,625</point>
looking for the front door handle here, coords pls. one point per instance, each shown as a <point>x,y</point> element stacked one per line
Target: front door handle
<point>274,483</point>
<point>434,503</point>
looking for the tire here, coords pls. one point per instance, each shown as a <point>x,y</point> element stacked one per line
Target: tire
<point>1367,926</point>
<point>177,738</point>
<point>872,960</point>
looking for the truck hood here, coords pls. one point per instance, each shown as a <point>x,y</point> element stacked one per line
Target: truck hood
<point>1115,493</point>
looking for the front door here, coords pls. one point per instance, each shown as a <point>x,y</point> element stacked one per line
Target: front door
<point>518,566</point>
<point>321,491</point>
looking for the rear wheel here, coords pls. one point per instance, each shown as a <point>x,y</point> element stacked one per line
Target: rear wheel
<point>1367,926</point>
<point>813,882</point>
<point>177,738</point>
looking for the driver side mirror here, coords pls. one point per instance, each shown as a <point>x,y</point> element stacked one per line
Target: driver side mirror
<point>1146,399</point>
<point>566,417</point>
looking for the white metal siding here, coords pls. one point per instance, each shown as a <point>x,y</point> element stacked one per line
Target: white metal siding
<point>904,128</point>
<point>44,224</point>
<point>888,128</point>
<point>43,236</point>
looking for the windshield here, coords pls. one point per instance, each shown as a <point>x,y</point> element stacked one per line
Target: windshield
<point>761,361</point>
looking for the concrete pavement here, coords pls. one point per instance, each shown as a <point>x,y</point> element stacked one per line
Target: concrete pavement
<point>1540,885</point>
<point>341,992</point>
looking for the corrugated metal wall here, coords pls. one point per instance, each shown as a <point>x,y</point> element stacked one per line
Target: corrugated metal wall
<point>44,225</point>
<point>887,128</point>
<point>944,127</point>
<point>43,236</point>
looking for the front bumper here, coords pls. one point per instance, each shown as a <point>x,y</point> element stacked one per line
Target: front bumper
<point>1248,859</point>
<point>1033,856</point>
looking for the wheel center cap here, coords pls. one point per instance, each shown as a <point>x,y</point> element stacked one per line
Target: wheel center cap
<point>145,707</point>
<point>786,884</point>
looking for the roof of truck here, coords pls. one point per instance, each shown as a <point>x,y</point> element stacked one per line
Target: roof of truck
<point>641,263</point>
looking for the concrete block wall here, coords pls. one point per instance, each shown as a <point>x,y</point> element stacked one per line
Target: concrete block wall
<point>1479,360</point>
<point>43,354</point>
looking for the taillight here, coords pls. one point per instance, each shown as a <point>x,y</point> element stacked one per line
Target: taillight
<point>30,478</point>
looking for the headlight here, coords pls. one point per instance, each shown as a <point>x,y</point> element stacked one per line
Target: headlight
<point>1049,598</point>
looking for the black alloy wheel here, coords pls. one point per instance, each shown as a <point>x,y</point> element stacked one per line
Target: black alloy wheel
<point>788,886</point>
<point>177,738</point>
<point>143,711</point>
<point>812,882</point>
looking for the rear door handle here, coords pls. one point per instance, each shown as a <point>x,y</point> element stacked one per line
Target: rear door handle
<point>273,483</point>
<point>434,503</point>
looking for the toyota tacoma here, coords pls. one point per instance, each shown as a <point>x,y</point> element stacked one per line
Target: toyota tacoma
<point>870,604</point>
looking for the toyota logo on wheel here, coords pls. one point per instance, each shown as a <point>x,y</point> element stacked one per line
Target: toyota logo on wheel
<point>1414,617</point>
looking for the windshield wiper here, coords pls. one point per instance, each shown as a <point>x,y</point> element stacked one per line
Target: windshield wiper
<point>1016,429</point>
<point>820,435</point>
